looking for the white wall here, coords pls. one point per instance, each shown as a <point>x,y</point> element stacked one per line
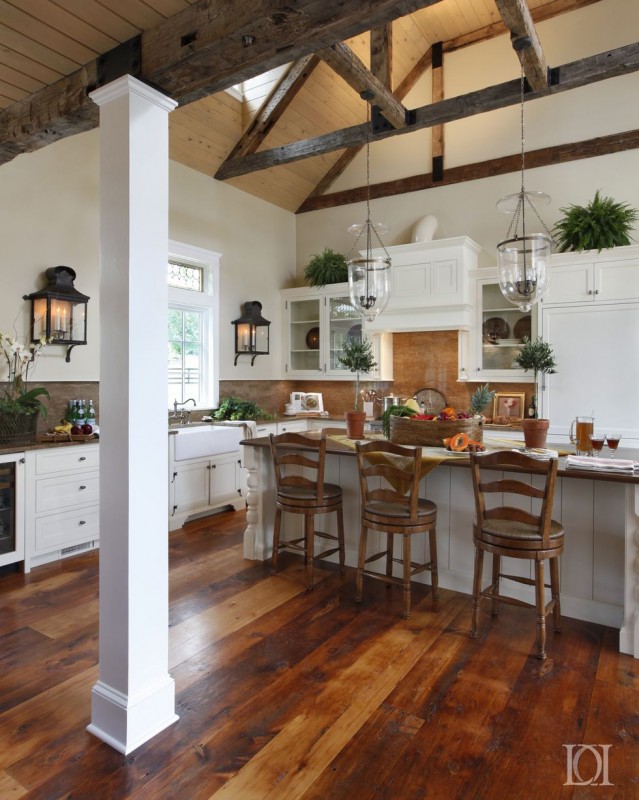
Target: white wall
<point>469,208</point>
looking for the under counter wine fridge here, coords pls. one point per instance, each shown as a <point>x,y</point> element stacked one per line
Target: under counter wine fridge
<point>11,508</point>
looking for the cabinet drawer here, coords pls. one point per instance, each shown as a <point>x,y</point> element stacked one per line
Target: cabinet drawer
<point>56,494</point>
<point>72,527</point>
<point>62,459</point>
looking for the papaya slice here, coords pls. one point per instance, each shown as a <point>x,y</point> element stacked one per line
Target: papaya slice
<point>459,442</point>
<point>446,442</point>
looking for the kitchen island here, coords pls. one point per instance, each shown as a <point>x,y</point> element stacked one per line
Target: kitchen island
<point>599,510</point>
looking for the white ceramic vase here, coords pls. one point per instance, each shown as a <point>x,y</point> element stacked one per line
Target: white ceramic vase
<point>424,229</point>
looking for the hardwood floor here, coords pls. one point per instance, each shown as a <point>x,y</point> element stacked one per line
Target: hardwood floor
<point>287,694</point>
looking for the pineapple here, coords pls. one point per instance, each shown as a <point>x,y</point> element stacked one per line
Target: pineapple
<point>480,399</point>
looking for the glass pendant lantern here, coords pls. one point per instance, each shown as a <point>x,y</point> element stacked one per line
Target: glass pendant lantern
<point>369,275</point>
<point>523,257</point>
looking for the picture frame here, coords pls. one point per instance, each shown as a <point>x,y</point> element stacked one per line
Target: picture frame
<point>509,404</point>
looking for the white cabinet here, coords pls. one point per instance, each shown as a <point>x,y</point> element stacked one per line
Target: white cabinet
<point>292,426</point>
<point>12,471</point>
<point>318,322</point>
<point>201,485</point>
<point>497,331</point>
<point>265,428</point>
<point>430,287</point>
<point>62,502</point>
<point>590,277</point>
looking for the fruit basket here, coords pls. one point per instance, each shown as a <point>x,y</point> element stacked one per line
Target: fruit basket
<point>431,433</point>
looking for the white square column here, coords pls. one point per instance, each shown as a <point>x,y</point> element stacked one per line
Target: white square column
<point>134,697</point>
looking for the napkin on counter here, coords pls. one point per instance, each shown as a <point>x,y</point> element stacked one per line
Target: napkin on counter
<point>605,464</point>
<point>540,453</point>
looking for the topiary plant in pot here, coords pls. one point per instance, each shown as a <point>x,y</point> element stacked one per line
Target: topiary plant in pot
<point>601,223</point>
<point>357,356</point>
<point>536,356</point>
<point>327,267</point>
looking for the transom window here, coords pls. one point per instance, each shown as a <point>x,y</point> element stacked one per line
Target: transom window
<point>186,276</point>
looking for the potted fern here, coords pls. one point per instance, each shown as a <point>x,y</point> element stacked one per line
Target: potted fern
<point>325,268</point>
<point>536,356</point>
<point>357,356</point>
<point>601,223</point>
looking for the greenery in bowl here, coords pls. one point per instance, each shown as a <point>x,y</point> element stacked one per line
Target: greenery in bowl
<point>325,268</point>
<point>536,356</point>
<point>601,223</point>
<point>236,409</point>
<point>357,356</point>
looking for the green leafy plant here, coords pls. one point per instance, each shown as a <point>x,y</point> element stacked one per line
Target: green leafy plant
<point>357,356</point>
<point>327,267</point>
<point>536,356</point>
<point>17,397</point>
<point>236,409</point>
<point>480,399</point>
<point>395,411</point>
<point>601,223</point>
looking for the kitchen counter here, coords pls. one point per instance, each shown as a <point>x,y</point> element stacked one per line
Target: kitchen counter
<point>600,512</point>
<point>23,448</point>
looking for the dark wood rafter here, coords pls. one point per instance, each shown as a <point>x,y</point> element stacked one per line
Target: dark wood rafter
<point>203,49</point>
<point>382,54</point>
<point>621,61</point>
<point>437,133</point>
<point>275,105</point>
<point>517,18</point>
<point>544,157</point>
<point>348,66</point>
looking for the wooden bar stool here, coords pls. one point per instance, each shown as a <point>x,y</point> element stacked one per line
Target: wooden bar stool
<point>299,477</point>
<point>507,531</point>
<point>394,507</point>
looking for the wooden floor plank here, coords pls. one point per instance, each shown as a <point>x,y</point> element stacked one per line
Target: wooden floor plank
<point>285,694</point>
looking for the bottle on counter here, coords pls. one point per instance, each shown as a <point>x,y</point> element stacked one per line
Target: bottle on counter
<point>90,414</point>
<point>532,408</point>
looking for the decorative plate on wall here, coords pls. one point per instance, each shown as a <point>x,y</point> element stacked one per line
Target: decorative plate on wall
<point>522,327</point>
<point>312,339</point>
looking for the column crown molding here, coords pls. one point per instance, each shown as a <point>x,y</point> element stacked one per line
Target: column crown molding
<point>126,85</point>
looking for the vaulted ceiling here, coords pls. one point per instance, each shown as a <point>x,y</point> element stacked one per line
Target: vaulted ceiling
<point>308,73</point>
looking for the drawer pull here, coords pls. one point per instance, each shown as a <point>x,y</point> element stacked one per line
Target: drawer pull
<point>82,522</point>
<point>82,487</point>
<point>82,458</point>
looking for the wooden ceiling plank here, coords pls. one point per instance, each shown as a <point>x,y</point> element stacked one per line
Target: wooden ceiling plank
<point>35,51</point>
<point>275,105</point>
<point>195,53</point>
<point>525,42</point>
<point>621,61</point>
<point>101,18</point>
<point>349,67</point>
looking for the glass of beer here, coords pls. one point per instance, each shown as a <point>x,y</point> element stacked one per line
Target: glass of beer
<point>580,430</point>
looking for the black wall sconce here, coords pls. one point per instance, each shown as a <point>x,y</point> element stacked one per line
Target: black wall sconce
<point>251,332</point>
<point>59,311</point>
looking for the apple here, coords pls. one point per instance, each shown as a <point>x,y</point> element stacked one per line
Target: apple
<point>86,429</point>
<point>76,430</point>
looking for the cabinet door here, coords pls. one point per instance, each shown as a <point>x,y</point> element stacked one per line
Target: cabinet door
<point>304,335</point>
<point>191,486</point>
<point>572,283</point>
<point>11,509</point>
<point>299,426</point>
<point>224,478</point>
<point>617,280</point>
<point>342,323</point>
<point>499,330</point>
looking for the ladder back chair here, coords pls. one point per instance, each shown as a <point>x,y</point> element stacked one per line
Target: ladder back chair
<point>392,505</point>
<point>505,530</point>
<point>301,489</point>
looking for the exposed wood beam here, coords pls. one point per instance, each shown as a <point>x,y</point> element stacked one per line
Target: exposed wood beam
<point>610,64</point>
<point>197,52</point>
<point>437,132</point>
<point>382,54</point>
<point>544,157</point>
<point>348,66</point>
<point>276,104</point>
<point>516,17</point>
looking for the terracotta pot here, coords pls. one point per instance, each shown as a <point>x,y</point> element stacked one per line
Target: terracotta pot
<point>355,424</point>
<point>535,432</point>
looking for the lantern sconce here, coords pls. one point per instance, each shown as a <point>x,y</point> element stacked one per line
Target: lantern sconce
<point>251,332</point>
<point>59,311</point>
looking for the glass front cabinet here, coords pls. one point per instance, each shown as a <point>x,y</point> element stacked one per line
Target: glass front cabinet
<point>318,323</point>
<point>498,330</point>
<point>11,508</point>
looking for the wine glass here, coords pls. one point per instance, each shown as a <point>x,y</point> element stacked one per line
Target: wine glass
<point>612,440</point>
<point>597,441</point>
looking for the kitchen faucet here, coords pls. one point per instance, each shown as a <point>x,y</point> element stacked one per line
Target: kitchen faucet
<point>181,415</point>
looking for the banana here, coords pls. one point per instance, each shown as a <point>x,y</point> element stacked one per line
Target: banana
<point>64,428</point>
